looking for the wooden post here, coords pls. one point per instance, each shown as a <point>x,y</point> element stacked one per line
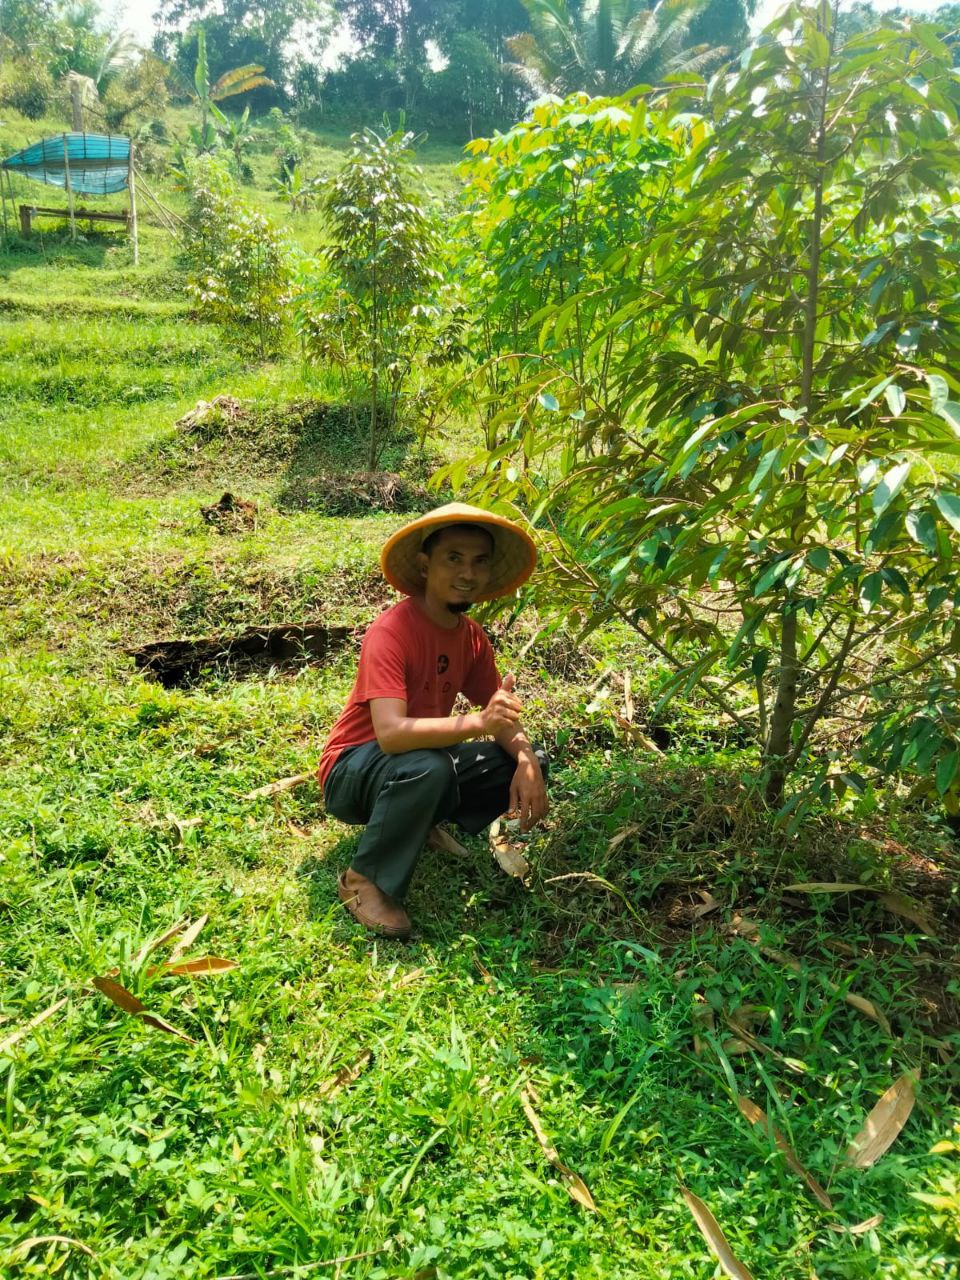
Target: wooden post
<point>3,197</point>
<point>76,103</point>
<point>25,221</point>
<point>66,170</point>
<point>131,185</point>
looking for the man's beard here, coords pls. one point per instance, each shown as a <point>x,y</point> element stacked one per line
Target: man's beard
<point>460,606</point>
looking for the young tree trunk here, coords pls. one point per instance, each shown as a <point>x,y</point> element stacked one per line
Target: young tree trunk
<point>777,746</point>
<point>778,757</point>
<point>374,360</point>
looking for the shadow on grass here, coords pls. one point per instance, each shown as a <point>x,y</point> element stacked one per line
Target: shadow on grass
<point>51,246</point>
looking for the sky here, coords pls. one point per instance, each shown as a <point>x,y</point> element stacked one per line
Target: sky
<point>136,15</point>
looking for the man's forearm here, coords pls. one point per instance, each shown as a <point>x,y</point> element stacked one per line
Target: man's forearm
<point>412,733</point>
<point>516,744</point>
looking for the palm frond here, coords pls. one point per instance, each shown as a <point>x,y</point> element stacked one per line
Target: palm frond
<point>122,52</point>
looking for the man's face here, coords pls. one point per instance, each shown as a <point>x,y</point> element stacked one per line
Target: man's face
<point>457,569</point>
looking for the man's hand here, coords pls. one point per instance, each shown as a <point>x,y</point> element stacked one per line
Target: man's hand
<point>528,792</point>
<point>502,712</point>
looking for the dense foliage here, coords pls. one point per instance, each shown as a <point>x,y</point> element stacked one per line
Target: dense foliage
<point>608,46</point>
<point>762,482</point>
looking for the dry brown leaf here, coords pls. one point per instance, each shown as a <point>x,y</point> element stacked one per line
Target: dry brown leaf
<point>129,1003</point>
<point>636,735</point>
<point>702,1018</point>
<point>865,1006</point>
<point>120,996</point>
<point>409,978</point>
<point>152,945</point>
<point>894,902</point>
<point>708,905</point>
<point>734,1048</point>
<point>203,966</point>
<point>741,1033</point>
<point>623,834</point>
<point>187,939</point>
<point>577,1189</point>
<point>781,957</point>
<point>9,1041</point>
<point>907,910</point>
<point>26,1245</point>
<point>757,1115</point>
<point>716,1240</point>
<point>300,832</point>
<point>182,825</point>
<point>868,1008</point>
<point>346,1075</point>
<point>441,840</point>
<point>750,1016</point>
<point>744,927</point>
<point>509,857</point>
<point>884,1123</point>
<point>282,784</point>
<point>858,1228</point>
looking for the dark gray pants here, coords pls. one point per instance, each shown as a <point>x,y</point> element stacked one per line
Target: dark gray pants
<point>400,797</point>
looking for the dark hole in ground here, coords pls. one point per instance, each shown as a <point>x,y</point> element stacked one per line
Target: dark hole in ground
<point>181,662</point>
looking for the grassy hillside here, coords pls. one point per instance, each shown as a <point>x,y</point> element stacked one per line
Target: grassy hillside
<point>331,1097</point>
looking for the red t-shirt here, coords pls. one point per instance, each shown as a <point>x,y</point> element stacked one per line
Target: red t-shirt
<point>405,655</point>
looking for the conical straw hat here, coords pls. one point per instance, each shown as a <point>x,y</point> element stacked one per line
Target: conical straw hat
<point>514,552</point>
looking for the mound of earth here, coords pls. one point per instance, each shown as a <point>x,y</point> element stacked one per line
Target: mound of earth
<point>225,442</point>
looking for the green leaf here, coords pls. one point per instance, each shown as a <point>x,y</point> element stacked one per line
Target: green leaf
<point>773,575</point>
<point>947,771</point>
<point>760,661</point>
<point>922,528</point>
<point>873,394</point>
<point>819,558</point>
<point>949,506</point>
<point>549,401</point>
<point>870,589</point>
<point>890,486</point>
<point>766,462</point>
<point>895,398</point>
<point>950,412</point>
<point>939,391</point>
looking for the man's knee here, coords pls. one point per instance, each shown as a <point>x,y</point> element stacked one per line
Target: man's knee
<point>544,761</point>
<point>433,767</point>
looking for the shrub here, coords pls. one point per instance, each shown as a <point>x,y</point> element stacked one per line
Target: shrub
<point>139,92</point>
<point>27,87</point>
<point>372,303</point>
<point>240,264</point>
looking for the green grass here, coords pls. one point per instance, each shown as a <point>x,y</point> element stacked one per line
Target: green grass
<point>123,809</point>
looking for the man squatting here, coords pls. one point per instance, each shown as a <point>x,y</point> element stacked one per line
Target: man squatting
<point>396,760</point>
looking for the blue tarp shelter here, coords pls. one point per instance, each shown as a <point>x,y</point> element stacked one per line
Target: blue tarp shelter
<point>99,163</point>
<point>94,164</point>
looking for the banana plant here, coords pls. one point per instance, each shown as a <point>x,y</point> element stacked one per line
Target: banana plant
<point>234,134</point>
<point>207,95</point>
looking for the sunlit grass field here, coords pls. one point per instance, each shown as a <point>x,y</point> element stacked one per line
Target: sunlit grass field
<point>326,1104</point>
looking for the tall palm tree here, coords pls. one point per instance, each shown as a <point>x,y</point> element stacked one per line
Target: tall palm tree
<point>607,46</point>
